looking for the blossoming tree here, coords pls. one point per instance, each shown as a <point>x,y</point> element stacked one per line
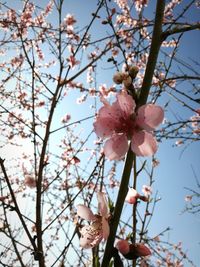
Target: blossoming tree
<point>85,103</point>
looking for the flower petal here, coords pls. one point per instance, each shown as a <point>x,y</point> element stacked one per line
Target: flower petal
<point>143,144</point>
<point>84,241</point>
<point>90,236</point>
<point>149,116</point>
<point>104,127</point>
<point>112,112</point>
<point>85,213</point>
<point>102,204</point>
<point>126,103</point>
<point>107,120</point>
<point>105,228</point>
<point>116,147</point>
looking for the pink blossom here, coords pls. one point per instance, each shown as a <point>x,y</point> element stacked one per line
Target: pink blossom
<point>139,4</point>
<point>178,142</point>
<point>66,118</point>
<point>147,190</point>
<point>30,181</point>
<point>69,20</point>
<point>91,235</point>
<point>119,123</point>
<point>155,162</point>
<point>72,61</point>
<point>188,198</point>
<point>196,122</point>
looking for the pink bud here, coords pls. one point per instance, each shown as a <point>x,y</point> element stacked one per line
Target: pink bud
<point>123,246</point>
<point>132,196</point>
<point>137,250</point>
<point>140,250</point>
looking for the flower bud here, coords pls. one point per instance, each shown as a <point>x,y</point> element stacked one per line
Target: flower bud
<point>123,246</point>
<point>127,81</point>
<point>133,71</point>
<point>137,250</point>
<point>118,77</point>
<point>141,250</point>
<point>132,196</point>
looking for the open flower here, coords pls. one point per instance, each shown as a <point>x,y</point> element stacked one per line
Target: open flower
<point>98,229</point>
<point>147,190</point>
<point>119,123</point>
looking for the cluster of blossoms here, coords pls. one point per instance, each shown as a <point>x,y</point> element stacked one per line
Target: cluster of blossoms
<point>68,27</point>
<point>140,4</point>
<point>98,229</point>
<point>196,122</point>
<point>170,7</point>
<point>120,122</point>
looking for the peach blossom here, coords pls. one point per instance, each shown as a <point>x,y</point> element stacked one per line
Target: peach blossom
<point>91,235</point>
<point>119,123</point>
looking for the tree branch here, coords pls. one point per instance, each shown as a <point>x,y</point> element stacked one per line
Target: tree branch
<point>16,205</point>
<point>175,30</point>
<point>153,54</point>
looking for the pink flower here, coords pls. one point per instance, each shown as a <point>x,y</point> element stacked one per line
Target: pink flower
<point>66,118</point>
<point>69,20</point>
<point>30,181</point>
<point>72,61</point>
<point>119,123</point>
<point>147,190</point>
<point>188,198</point>
<point>91,235</point>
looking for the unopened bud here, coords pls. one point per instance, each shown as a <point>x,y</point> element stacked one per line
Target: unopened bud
<point>133,71</point>
<point>127,81</point>
<point>123,246</point>
<point>137,250</point>
<point>118,77</point>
